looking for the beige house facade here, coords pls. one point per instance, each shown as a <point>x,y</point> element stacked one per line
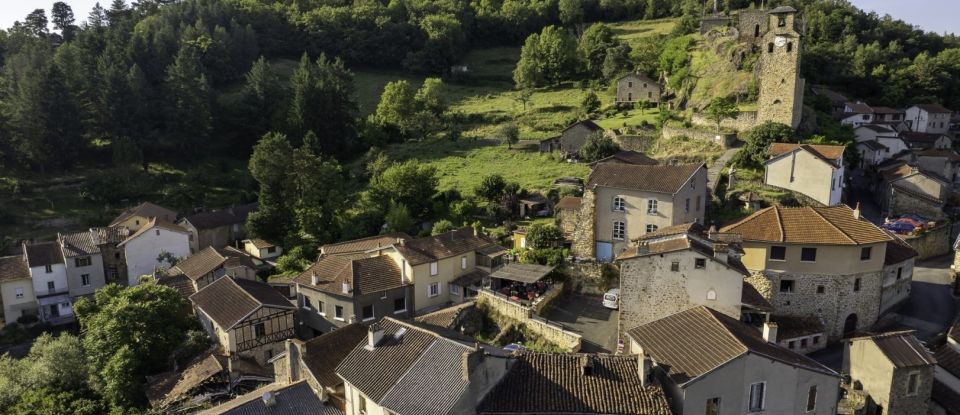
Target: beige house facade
<point>816,171</point>
<point>895,369</point>
<point>138,216</point>
<point>16,289</point>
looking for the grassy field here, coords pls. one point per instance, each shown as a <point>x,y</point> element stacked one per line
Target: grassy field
<point>632,31</point>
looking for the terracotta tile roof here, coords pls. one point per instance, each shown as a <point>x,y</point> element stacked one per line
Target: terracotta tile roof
<point>363,244</point>
<point>322,354</point>
<point>752,298</point>
<point>791,327</point>
<point>834,225</point>
<point>683,228</point>
<point>948,358</point>
<point>445,318</point>
<point>173,386</point>
<point>156,223</point>
<point>902,348</point>
<point>830,154</point>
<point>448,244</point>
<point>691,343</point>
<point>872,145</point>
<point>227,301</point>
<point>146,210</point>
<point>363,275</point>
<point>13,268</point>
<point>659,178</point>
<point>78,244</point>
<point>935,108</point>
<point>898,251</point>
<point>554,383</point>
<point>627,157</point>
<point>947,398</point>
<point>44,253</point>
<point>181,283</point>
<point>568,203</point>
<point>223,217</point>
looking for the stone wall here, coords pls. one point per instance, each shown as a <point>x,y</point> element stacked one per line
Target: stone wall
<point>518,314</point>
<point>747,23</point>
<point>833,304</point>
<point>634,142</point>
<point>902,202</point>
<point>742,122</point>
<point>724,140</point>
<point>583,243</point>
<point>586,277</point>
<point>934,242</point>
<point>567,221</point>
<point>555,334</point>
<point>900,403</point>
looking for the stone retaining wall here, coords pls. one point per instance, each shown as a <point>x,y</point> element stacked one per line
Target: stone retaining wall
<point>724,140</point>
<point>634,142</point>
<point>555,334</point>
<point>527,316</point>
<point>934,242</point>
<point>742,122</point>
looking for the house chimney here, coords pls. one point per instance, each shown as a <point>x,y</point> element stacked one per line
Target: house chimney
<point>345,287</point>
<point>586,365</point>
<point>400,241</point>
<point>721,251</point>
<point>314,279</point>
<point>470,360</point>
<point>856,211</point>
<point>295,352</point>
<point>269,400</point>
<point>770,332</point>
<point>644,367</point>
<point>643,248</point>
<point>374,335</point>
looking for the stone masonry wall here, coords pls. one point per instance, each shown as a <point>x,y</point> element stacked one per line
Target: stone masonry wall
<point>837,301</point>
<point>742,122</point>
<point>583,242</point>
<point>519,314</point>
<point>724,140</point>
<point>567,221</point>
<point>934,242</point>
<point>901,203</point>
<point>900,403</point>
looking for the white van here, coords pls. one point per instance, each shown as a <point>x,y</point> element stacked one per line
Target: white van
<point>612,299</point>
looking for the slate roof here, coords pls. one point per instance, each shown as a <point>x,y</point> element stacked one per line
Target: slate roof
<point>568,203</point>
<point>872,145</point>
<point>146,210</point>
<point>691,343</point>
<point>363,244</point>
<point>934,108</point>
<point>834,225</point>
<point>78,244</point>
<point>433,384</point>
<point>44,253</point>
<point>525,273</point>
<point>627,157</point>
<point>592,126</point>
<point>448,244</point>
<point>155,223</point>
<point>223,217</point>
<point>898,251</point>
<point>880,128</point>
<point>791,327</point>
<point>322,354</point>
<point>948,358</point>
<point>227,301</point>
<point>181,283</point>
<point>294,399</point>
<point>663,178</point>
<point>830,154</point>
<point>364,275</point>
<point>13,268</point>
<point>209,259</point>
<point>902,349</point>
<point>377,370</point>
<point>553,383</point>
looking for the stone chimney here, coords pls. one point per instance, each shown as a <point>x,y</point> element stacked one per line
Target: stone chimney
<point>374,335</point>
<point>295,352</point>
<point>856,211</point>
<point>345,287</point>
<point>586,365</point>
<point>470,360</point>
<point>770,332</point>
<point>644,369</point>
<point>643,248</point>
<point>314,279</point>
<point>721,251</point>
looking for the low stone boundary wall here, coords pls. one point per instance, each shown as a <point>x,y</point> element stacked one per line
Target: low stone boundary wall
<point>555,334</point>
<point>724,140</point>
<point>527,316</point>
<point>934,242</point>
<point>743,121</point>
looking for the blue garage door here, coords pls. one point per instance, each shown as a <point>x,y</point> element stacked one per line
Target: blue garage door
<point>604,251</point>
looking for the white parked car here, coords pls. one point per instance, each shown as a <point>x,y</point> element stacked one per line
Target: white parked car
<point>612,299</point>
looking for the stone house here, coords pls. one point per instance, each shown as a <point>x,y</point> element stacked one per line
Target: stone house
<point>894,369</point>
<point>624,201</point>
<point>336,291</point>
<point>572,383</point>
<point>48,273</point>
<point>567,210</point>
<point>906,189</point>
<point>637,87</point>
<point>403,369</point>
<point>210,264</point>
<point>928,118</point>
<point>83,262</point>
<point>139,215</point>
<point>575,136</point>
<point>712,363</point>
<point>359,247</point>
<point>897,274</point>
<point>802,335</point>
<point>825,262</point>
<point>674,269</point>
<point>217,228</point>
<point>261,249</point>
<point>781,88</point>
<point>16,289</point>
<point>816,171</point>
<point>143,249</point>
<point>926,141</point>
<point>107,241</point>
<point>248,319</point>
<point>945,394</point>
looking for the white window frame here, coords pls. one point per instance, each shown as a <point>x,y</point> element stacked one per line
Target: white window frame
<point>306,303</point>
<point>321,310</point>
<point>434,268</point>
<point>463,262</point>
<point>433,289</point>
<point>404,309</point>
<point>652,228</point>
<point>652,206</point>
<point>763,397</point>
<point>619,204</point>
<point>85,280</point>
<point>452,287</point>
<point>623,230</point>
<point>18,293</point>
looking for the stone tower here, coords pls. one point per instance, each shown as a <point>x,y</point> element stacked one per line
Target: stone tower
<point>781,88</point>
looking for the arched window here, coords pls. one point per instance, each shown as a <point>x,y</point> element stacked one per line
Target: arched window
<point>770,47</point>
<point>711,294</point>
<point>776,102</point>
<point>789,47</point>
<point>756,30</point>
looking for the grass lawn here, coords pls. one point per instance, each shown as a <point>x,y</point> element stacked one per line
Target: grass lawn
<point>462,165</point>
<point>632,31</point>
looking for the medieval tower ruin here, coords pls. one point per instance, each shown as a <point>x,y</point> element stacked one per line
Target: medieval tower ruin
<point>780,85</point>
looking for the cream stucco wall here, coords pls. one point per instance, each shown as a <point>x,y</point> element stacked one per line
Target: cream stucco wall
<point>448,269</point>
<point>41,278</point>
<point>805,173</point>
<point>141,252</point>
<point>75,275</point>
<point>831,259</point>
<point>13,306</point>
<point>353,397</point>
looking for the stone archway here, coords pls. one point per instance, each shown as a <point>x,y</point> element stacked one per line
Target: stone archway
<point>850,325</point>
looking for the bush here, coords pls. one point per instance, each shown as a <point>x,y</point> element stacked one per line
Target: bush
<point>545,256</point>
<point>442,226</point>
<point>28,319</point>
<point>541,236</point>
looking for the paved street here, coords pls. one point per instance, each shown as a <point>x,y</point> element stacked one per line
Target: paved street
<point>587,316</point>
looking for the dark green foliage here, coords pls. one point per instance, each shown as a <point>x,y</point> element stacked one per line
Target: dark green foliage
<point>491,187</point>
<point>546,58</point>
<point>590,103</point>
<point>411,114</point>
<point>721,109</point>
<point>442,226</point>
<point>602,53</point>
<point>408,185</point>
<point>540,236</point>
<point>597,147</point>
<point>545,256</point>
<point>758,140</point>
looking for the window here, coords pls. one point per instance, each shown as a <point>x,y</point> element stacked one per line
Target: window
<point>791,344</point>
<point>698,203</point>
<point>48,268</point>
<point>757,390</point>
<point>619,230</point>
<point>651,228</point>
<point>652,206</point>
<point>812,398</point>
<point>306,302</point>
<point>778,253</point>
<point>686,205</point>
<point>463,262</point>
<point>675,265</point>
<point>711,294</point>
<point>781,20</point>
<point>816,339</point>
<point>786,286</point>
<point>820,289</point>
<point>713,406</point>
<point>650,95</point>
<point>82,261</point>
<point>338,312</point>
<point>866,117</point>
<point>856,285</point>
<point>19,292</point>
<point>629,84</point>
<point>808,254</point>
<point>50,286</point>
<point>770,47</point>
<point>158,232</point>
<point>899,272</point>
<point>789,47</point>
<point>363,405</point>
<point>85,280</point>
<point>454,289</point>
<point>700,263</point>
<point>433,289</point>
<point>644,85</point>
<point>366,313</point>
<point>913,384</point>
<point>619,205</point>
<point>271,249</point>
<point>803,343</point>
<point>433,268</point>
<point>865,253</point>
<point>321,308</point>
<point>259,330</point>
<point>400,305</point>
